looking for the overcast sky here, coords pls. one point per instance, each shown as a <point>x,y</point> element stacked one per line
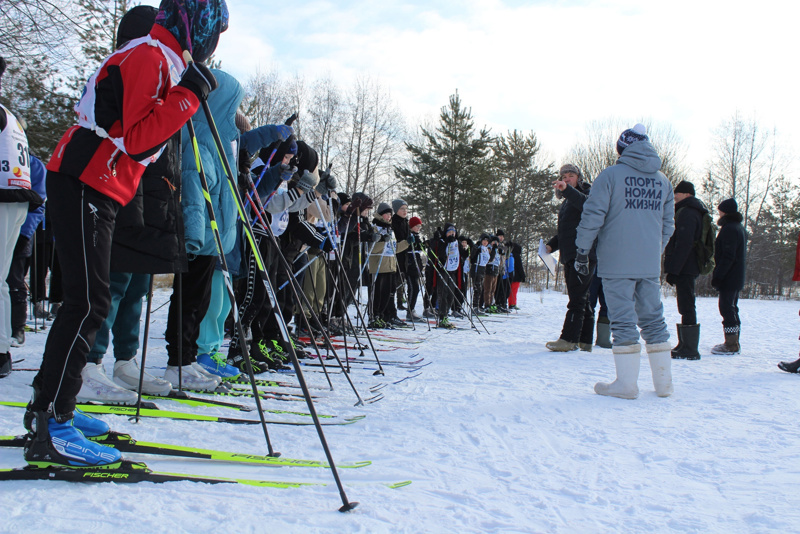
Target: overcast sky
<point>544,66</point>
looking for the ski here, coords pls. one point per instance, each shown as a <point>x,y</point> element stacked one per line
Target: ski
<point>166,414</point>
<point>240,392</point>
<point>190,400</point>
<point>125,443</point>
<point>132,472</point>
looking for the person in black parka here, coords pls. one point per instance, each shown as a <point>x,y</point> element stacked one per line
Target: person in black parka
<point>682,267</point>
<point>578,329</point>
<point>729,272</point>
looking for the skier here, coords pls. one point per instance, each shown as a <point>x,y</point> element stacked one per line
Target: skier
<point>629,213</point>
<point>95,170</point>
<point>730,248</point>
<point>793,367</point>
<point>16,198</point>
<point>578,328</point>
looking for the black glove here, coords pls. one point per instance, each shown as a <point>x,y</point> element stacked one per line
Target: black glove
<point>307,182</point>
<point>582,265</point>
<point>199,80</point>
<point>326,245</point>
<point>411,239</point>
<point>672,279</point>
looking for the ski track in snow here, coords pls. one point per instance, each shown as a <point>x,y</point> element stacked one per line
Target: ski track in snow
<point>497,434</point>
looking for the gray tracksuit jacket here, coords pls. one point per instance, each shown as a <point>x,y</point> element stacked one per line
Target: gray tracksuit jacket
<point>630,212</point>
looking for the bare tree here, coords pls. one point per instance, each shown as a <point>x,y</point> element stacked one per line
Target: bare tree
<point>266,101</point>
<point>372,138</point>
<point>325,118</point>
<point>30,29</point>
<point>598,150</point>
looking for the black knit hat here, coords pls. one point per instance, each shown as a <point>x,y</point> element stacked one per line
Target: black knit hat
<point>685,187</point>
<point>344,198</point>
<point>728,206</point>
<point>500,232</point>
<point>631,135</point>
<point>136,22</point>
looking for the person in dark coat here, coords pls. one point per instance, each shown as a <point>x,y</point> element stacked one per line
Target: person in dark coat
<point>729,270</point>
<point>682,267</point>
<point>578,329</point>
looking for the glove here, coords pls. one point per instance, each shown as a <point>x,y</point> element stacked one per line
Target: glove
<point>287,171</point>
<point>326,183</point>
<point>376,237</point>
<point>411,239</point>
<point>326,245</point>
<point>671,279</point>
<point>284,132</point>
<point>199,80</point>
<point>582,265</point>
<point>307,182</point>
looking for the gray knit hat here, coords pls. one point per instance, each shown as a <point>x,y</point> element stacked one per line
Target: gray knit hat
<point>398,203</point>
<point>383,207</point>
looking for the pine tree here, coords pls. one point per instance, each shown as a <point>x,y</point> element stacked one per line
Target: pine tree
<point>450,178</point>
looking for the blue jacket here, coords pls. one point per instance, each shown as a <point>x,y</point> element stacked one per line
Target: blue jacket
<point>223,102</point>
<point>36,216</point>
<point>630,212</point>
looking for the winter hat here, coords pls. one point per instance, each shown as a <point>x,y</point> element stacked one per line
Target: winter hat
<point>136,22</point>
<point>728,206</point>
<point>631,135</point>
<point>685,187</point>
<point>398,203</point>
<point>486,236</point>
<point>414,221</point>
<point>500,232</point>
<point>383,207</point>
<point>344,198</point>
<point>305,159</point>
<point>449,226</point>
<point>569,167</point>
<point>196,24</point>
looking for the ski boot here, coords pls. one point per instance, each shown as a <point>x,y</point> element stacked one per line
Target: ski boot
<point>52,443</point>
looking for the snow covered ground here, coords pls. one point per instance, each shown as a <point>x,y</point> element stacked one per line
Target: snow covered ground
<point>497,435</point>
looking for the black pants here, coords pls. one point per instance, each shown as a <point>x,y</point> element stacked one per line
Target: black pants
<point>502,291</point>
<point>596,295</point>
<point>446,292</point>
<point>579,321</point>
<point>382,304</point>
<point>729,309</point>
<point>255,300</point>
<point>17,290</point>
<point>412,282</point>
<point>684,291</point>
<point>83,225</point>
<point>41,259</point>
<point>195,295</point>
<point>266,325</point>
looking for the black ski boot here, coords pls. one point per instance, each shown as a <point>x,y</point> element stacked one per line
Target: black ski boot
<point>790,367</point>
<point>679,346</point>
<point>5,364</point>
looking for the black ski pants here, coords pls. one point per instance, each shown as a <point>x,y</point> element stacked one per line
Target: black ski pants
<point>83,225</point>
<point>579,321</point>
<point>194,297</point>
<point>729,309</point>
<point>685,293</point>
<point>17,290</point>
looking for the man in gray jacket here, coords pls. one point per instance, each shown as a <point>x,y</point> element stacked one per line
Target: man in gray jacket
<point>630,213</point>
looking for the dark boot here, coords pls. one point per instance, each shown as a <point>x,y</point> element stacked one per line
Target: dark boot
<point>689,335</point>
<point>603,333</point>
<point>5,364</point>
<point>679,346</point>
<point>790,367</point>
<point>730,347</point>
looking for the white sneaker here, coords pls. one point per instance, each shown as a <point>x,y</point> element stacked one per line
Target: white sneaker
<point>99,388</point>
<point>205,374</point>
<point>126,374</point>
<point>191,378</point>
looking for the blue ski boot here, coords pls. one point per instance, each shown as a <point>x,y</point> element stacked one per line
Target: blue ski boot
<point>217,364</point>
<point>62,444</point>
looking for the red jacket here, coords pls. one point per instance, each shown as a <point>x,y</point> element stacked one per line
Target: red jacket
<point>135,101</point>
<point>796,276</point>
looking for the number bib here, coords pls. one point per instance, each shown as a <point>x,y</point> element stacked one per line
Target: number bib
<point>15,162</point>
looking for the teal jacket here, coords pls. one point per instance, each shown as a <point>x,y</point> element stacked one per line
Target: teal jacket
<point>223,102</point>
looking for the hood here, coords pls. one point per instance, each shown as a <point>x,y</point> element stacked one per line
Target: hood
<point>693,203</point>
<point>641,156</point>
<point>223,103</point>
<point>730,218</point>
<point>196,24</point>
<point>378,221</point>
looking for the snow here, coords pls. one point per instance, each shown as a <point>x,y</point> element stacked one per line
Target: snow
<point>497,434</point>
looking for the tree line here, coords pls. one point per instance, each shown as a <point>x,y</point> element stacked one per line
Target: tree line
<point>450,170</point>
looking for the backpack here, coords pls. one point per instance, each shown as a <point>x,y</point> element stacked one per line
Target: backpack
<point>704,247</point>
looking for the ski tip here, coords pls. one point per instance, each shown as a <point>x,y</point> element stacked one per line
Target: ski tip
<point>396,485</point>
<point>348,507</point>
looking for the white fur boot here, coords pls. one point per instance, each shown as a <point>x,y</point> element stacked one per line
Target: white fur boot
<point>661,367</point>
<point>627,360</point>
